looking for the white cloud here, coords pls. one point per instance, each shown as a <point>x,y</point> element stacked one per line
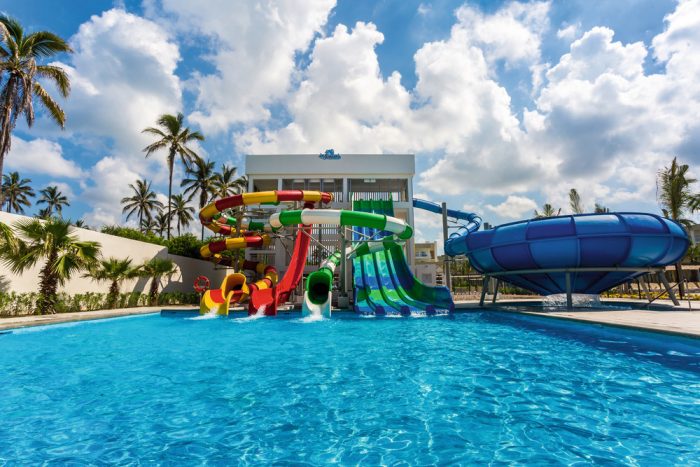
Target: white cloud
<point>513,33</point>
<point>569,32</point>
<point>253,47</point>
<point>514,207</point>
<point>455,108</point>
<point>41,156</point>
<point>123,78</point>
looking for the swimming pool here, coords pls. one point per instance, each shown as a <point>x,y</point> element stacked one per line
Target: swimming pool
<point>473,388</point>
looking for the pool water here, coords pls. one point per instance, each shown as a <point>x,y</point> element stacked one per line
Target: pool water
<point>475,388</point>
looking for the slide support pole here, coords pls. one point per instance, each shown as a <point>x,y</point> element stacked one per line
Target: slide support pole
<point>484,287</point>
<point>569,301</point>
<point>445,237</point>
<point>671,294</point>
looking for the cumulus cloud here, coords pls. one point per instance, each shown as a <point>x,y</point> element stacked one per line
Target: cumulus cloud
<point>513,33</point>
<point>123,77</point>
<point>455,108</point>
<point>41,156</point>
<point>253,48</point>
<point>514,207</point>
<point>110,179</point>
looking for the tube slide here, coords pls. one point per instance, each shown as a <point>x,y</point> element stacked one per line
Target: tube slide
<point>318,295</point>
<point>263,293</point>
<point>234,288</point>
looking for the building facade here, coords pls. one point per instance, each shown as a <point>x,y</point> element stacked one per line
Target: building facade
<point>348,176</point>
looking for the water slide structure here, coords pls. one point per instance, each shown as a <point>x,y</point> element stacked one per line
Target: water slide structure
<point>317,298</point>
<point>266,294</point>
<point>383,281</point>
<point>584,253</point>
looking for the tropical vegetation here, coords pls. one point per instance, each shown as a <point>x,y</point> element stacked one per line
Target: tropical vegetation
<point>156,269</point>
<point>676,200</point>
<point>144,203</point>
<point>174,137</point>
<point>53,244</point>
<point>547,211</point>
<point>20,54</point>
<point>200,183</point>
<point>54,200</point>
<point>181,212</point>
<point>115,271</point>
<point>16,192</point>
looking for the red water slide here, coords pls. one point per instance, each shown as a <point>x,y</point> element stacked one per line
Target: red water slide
<point>269,299</point>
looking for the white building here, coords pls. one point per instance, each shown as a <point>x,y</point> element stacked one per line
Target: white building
<point>348,176</point>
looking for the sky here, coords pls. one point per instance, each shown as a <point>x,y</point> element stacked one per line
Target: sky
<point>507,105</point>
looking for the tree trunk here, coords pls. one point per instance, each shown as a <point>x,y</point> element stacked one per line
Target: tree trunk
<point>153,292</point>
<point>680,277</point>
<point>6,124</point>
<point>171,162</point>
<point>48,284</point>
<point>113,295</point>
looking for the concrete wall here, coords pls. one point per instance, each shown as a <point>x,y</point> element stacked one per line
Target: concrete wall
<point>139,252</point>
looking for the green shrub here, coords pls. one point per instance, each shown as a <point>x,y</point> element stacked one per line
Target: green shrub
<point>133,234</point>
<point>185,245</point>
<point>18,304</point>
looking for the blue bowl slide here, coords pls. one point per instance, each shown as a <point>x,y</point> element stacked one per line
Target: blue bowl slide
<point>613,240</point>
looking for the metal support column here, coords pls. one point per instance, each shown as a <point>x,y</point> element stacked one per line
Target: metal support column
<point>645,287</point>
<point>669,290</point>
<point>343,262</point>
<point>495,291</point>
<point>569,300</point>
<point>484,286</point>
<point>445,236</point>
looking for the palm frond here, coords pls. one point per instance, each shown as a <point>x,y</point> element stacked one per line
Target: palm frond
<point>57,75</point>
<point>55,111</point>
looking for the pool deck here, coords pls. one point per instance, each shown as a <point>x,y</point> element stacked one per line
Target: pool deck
<point>683,320</point>
<point>40,320</point>
<point>680,320</point>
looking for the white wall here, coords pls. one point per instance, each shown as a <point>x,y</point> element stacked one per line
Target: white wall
<point>139,252</point>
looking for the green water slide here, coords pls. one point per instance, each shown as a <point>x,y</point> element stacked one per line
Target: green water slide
<point>383,280</point>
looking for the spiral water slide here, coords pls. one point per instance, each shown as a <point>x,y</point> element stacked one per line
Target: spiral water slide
<point>264,295</point>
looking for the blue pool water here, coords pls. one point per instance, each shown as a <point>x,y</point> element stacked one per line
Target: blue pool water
<point>473,389</point>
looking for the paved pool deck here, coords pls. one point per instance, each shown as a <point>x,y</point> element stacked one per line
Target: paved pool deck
<point>683,320</point>
<point>41,320</point>
<point>680,320</point>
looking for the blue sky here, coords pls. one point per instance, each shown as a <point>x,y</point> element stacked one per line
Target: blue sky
<point>507,105</point>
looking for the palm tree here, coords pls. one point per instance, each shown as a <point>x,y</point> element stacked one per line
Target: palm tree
<point>115,271</point>
<point>144,202</point>
<point>54,199</point>
<point>18,64</point>
<point>161,223</point>
<point>600,209</point>
<point>174,137</point>
<point>155,269</point>
<point>80,223</point>
<point>181,211</point>
<point>547,211</point>
<point>226,183</point>
<point>16,192</point>
<point>201,181</point>
<point>148,225</point>
<point>575,202</point>
<point>673,192</point>
<point>53,242</point>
